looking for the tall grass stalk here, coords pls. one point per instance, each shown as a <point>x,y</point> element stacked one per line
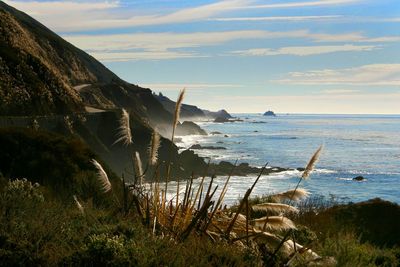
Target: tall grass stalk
<point>174,124</point>
<point>102,177</point>
<point>124,131</point>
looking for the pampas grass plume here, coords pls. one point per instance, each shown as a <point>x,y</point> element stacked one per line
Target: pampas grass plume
<point>274,223</point>
<point>297,194</point>
<point>79,205</point>
<point>124,130</point>
<point>102,177</point>
<point>310,166</point>
<point>138,167</point>
<point>178,107</point>
<point>153,148</point>
<point>275,207</point>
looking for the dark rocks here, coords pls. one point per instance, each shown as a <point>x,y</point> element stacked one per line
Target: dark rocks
<point>359,178</point>
<point>218,114</point>
<point>243,169</point>
<point>270,113</point>
<point>187,111</point>
<point>221,120</point>
<point>189,128</point>
<point>197,146</point>
<point>215,132</point>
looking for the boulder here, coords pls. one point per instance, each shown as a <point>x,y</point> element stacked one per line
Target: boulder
<point>359,178</point>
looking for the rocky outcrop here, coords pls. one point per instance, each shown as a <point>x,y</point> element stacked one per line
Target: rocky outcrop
<point>223,114</point>
<point>187,111</point>
<point>191,112</point>
<point>189,128</point>
<point>221,120</point>
<point>197,146</point>
<point>270,113</point>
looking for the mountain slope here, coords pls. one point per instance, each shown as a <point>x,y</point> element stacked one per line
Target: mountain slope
<point>47,83</point>
<point>41,74</point>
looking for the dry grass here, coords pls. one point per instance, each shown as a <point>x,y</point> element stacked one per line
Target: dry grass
<point>102,177</point>
<point>124,131</point>
<point>153,148</point>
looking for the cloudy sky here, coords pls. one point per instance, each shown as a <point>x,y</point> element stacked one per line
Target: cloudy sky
<point>291,56</point>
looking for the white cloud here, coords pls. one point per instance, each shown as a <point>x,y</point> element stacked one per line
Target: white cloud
<point>168,45</point>
<point>159,41</point>
<point>66,16</point>
<point>366,75</point>
<point>304,50</point>
<point>340,91</point>
<point>142,55</point>
<point>280,18</point>
<point>122,47</point>
<point>54,8</point>
<point>305,4</point>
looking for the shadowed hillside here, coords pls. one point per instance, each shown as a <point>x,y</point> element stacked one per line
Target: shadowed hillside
<point>43,74</point>
<point>48,81</point>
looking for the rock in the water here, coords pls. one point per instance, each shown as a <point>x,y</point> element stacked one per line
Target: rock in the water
<point>216,132</point>
<point>270,113</point>
<point>220,113</point>
<point>197,146</point>
<point>189,128</point>
<point>221,119</point>
<point>359,178</point>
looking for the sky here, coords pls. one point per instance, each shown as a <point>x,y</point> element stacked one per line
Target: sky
<point>247,56</point>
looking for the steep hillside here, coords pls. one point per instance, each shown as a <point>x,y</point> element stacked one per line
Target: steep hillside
<point>187,111</point>
<point>47,82</point>
<point>40,74</point>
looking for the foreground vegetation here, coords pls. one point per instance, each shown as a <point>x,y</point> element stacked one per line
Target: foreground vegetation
<point>38,230</point>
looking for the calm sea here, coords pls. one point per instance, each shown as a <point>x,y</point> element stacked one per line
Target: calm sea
<point>367,145</point>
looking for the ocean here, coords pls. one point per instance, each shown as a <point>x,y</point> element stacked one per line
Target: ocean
<point>367,145</point>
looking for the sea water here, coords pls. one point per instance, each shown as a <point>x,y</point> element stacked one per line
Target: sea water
<point>366,145</point>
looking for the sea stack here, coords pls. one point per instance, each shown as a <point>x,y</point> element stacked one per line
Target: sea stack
<point>270,113</point>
